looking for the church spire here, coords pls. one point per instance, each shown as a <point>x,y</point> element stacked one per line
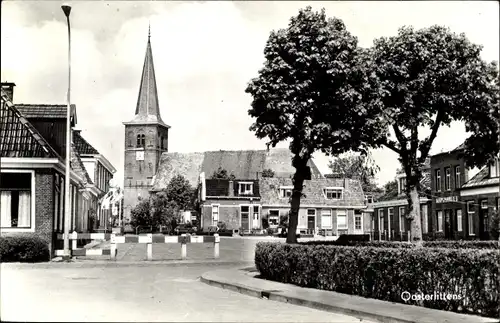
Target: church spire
<point>147,109</point>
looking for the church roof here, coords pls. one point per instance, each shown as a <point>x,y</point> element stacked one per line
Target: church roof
<point>243,164</point>
<point>147,110</point>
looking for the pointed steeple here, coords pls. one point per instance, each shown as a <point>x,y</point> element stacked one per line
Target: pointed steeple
<point>148,109</point>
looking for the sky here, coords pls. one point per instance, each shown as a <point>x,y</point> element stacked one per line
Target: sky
<point>205,53</point>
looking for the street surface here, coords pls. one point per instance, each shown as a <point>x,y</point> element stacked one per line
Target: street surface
<point>145,293</point>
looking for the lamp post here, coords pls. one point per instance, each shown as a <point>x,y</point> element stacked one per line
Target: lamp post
<point>67,209</point>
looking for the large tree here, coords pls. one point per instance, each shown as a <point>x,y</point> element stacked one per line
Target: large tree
<point>306,92</point>
<point>356,166</point>
<point>426,79</point>
<point>180,191</point>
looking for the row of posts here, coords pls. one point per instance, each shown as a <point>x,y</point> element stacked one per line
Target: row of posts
<point>149,247</point>
<point>385,235</point>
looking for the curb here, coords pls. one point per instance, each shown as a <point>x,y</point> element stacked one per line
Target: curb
<point>117,264</point>
<point>423,314</point>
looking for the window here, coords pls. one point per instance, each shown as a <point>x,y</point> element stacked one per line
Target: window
<point>333,193</point>
<point>341,219</point>
<point>402,219</point>
<point>439,221</point>
<point>457,177</point>
<point>245,215</point>
<point>447,179</point>
<point>470,216</point>
<point>245,188</point>
<point>215,214</point>
<point>286,191</point>
<point>425,220</point>
<point>402,185</point>
<point>484,215</point>
<point>16,202</point>
<point>274,217</point>
<point>311,212</point>
<point>326,218</point>
<point>369,199</point>
<point>390,216</point>
<point>255,212</point>
<point>357,222</point>
<point>438,180</point>
<point>381,220</point>
<point>141,140</point>
<point>459,220</point>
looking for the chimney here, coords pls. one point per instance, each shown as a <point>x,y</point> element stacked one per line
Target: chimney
<point>8,87</point>
<point>231,188</point>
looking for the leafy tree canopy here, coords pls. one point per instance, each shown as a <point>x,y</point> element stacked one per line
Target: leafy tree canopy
<point>180,191</point>
<point>221,173</point>
<point>355,166</point>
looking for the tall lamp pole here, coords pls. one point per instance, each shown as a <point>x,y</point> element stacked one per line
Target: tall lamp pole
<point>67,209</point>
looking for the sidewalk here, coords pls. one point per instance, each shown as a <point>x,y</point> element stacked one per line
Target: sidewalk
<point>245,282</point>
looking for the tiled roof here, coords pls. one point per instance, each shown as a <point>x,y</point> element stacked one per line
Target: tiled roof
<point>313,191</point>
<point>78,167</point>
<point>18,137</point>
<point>49,111</point>
<point>220,187</point>
<point>243,164</point>
<point>82,146</point>
<point>481,179</point>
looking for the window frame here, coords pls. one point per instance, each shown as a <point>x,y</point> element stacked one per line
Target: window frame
<point>269,217</point>
<point>326,190</point>
<point>284,189</point>
<point>342,213</point>
<point>402,219</point>
<point>459,222</point>
<point>218,213</point>
<point>324,215</point>
<point>447,179</point>
<point>439,217</point>
<point>437,176</point>
<point>381,220</point>
<point>458,173</point>
<point>245,192</point>
<point>470,219</point>
<point>360,217</point>
<point>32,200</point>
<point>390,215</point>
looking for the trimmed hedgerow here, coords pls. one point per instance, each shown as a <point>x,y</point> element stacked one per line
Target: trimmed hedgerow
<point>458,244</point>
<point>384,273</point>
<point>23,248</point>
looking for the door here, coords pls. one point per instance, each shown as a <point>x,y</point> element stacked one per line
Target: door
<point>256,217</point>
<point>483,221</point>
<point>245,214</point>
<point>311,221</point>
<point>448,231</point>
<point>358,222</point>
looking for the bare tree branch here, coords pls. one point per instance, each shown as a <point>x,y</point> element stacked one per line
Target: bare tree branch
<point>426,144</point>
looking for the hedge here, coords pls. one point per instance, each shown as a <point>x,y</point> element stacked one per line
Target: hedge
<point>456,244</point>
<point>23,248</point>
<point>384,273</point>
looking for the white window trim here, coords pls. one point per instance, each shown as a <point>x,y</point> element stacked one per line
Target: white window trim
<point>401,219</point>
<point>389,218</point>
<point>447,178</point>
<point>269,216</point>
<point>457,177</point>
<point>283,189</point>
<point>439,214</point>
<point>470,219</point>
<point>33,201</point>
<point>250,215</point>
<point>218,213</point>
<point>330,216</point>
<point>381,220</point>
<point>343,213</point>
<point>459,223</point>
<point>360,216</point>
<point>438,182</point>
<point>245,192</point>
<point>331,188</point>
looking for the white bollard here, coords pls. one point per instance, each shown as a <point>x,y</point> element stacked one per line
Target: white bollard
<point>216,246</point>
<point>184,247</point>
<point>150,247</point>
<point>74,237</point>
<point>113,247</point>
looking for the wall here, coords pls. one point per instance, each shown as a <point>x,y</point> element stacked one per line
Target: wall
<point>229,212</point>
<point>479,230</point>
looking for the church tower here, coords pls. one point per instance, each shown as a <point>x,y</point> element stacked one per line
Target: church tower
<point>146,138</point>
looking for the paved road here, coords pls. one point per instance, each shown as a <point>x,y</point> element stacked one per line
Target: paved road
<point>126,294</point>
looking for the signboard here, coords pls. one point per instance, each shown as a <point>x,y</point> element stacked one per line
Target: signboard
<point>139,155</point>
<point>446,199</point>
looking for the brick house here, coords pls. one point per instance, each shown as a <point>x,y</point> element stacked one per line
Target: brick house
<point>388,217</point>
<point>448,174</point>
<point>480,198</point>
<point>234,202</point>
<point>101,172</point>
<point>32,174</point>
<point>331,206</point>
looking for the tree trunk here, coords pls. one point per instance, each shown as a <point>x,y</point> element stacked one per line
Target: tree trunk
<point>415,216</point>
<point>301,173</point>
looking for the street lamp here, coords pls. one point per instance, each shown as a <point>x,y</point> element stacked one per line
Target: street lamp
<point>67,210</point>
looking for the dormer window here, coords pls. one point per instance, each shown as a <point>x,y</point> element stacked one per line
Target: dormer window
<point>333,193</point>
<point>369,199</point>
<point>245,188</point>
<point>402,185</point>
<point>286,191</point>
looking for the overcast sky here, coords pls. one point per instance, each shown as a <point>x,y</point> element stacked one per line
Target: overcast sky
<point>204,53</point>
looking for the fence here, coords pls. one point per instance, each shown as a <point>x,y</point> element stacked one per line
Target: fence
<point>149,239</point>
<point>393,235</point>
